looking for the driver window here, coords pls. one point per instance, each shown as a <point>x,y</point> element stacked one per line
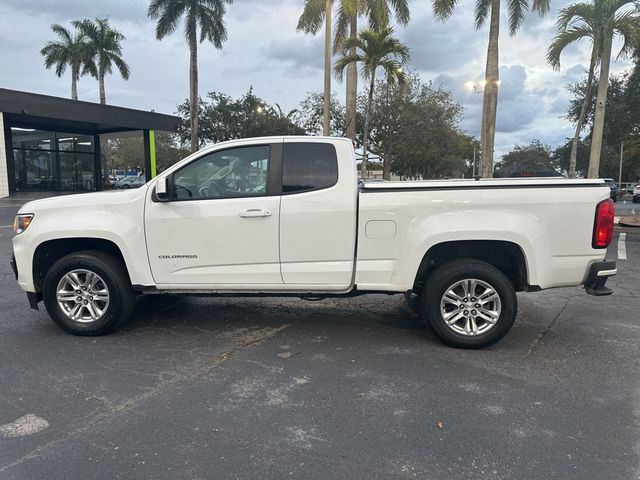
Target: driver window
<point>237,172</point>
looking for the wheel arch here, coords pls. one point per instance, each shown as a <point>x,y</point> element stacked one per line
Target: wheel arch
<point>50,251</point>
<point>508,257</point>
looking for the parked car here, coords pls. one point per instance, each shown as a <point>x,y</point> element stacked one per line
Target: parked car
<point>613,187</point>
<point>636,193</point>
<point>132,181</point>
<point>284,217</point>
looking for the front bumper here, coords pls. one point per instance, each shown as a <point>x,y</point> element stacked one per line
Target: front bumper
<point>33,297</point>
<point>596,278</point>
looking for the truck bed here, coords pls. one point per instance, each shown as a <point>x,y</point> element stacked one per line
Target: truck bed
<point>549,220</point>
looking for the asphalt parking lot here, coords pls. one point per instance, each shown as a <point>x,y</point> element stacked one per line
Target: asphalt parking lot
<point>206,388</point>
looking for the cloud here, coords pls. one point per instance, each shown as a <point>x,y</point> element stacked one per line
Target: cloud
<point>69,10</point>
<point>299,53</point>
<point>438,47</point>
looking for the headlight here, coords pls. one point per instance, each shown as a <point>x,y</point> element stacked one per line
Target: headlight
<point>22,222</point>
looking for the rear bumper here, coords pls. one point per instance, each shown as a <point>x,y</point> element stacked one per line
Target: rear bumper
<point>597,276</point>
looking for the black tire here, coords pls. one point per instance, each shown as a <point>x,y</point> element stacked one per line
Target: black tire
<point>446,276</point>
<point>113,276</point>
<point>636,199</point>
<point>126,186</point>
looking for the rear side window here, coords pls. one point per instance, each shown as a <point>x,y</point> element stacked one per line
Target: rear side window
<point>308,166</point>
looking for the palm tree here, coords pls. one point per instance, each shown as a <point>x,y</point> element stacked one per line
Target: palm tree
<point>204,14</point>
<point>491,9</point>
<point>315,14</point>
<point>576,22</point>
<point>346,26</point>
<point>69,51</point>
<point>616,17</point>
<point>374,50</point>
<point>104,42</point>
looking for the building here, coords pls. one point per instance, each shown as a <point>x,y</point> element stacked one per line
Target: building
<point>53,144</point>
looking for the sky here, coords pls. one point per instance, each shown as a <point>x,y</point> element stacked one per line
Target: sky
<point>265,51</point>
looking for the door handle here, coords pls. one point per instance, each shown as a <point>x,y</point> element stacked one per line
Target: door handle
<point>255,213</point>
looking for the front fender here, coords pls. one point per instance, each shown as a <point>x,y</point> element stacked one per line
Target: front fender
<point>115,217</point>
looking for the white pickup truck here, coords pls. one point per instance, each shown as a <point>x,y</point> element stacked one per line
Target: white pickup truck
<point>286,216</point>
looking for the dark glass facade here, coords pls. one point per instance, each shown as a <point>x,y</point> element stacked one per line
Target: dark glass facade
<point>53,161</point>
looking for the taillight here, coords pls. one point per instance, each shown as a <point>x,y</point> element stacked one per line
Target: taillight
<point>603,227</point>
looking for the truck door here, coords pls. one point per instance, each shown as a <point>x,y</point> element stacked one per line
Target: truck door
<point>220,226</point>
<point>318,213</point>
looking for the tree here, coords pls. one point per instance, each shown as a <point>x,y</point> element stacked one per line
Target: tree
<point>616,19</point>
<point>563,156</point>
<point>309,115</point>
<point>128,152</point>
<point>71,51</point>
<point>104,43</point>
<point>491,9</point>
<point>346,25</point>
<point>413,128</point>
<point>576,22</point>
<point>374,50</point>
<point>535,157</point>
<point>222,118</point>
<point>632,93</point>
<point>207,15</point>
<point>623,122</point>
<point>388,119</point>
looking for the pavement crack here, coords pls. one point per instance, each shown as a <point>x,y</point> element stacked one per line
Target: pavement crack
<point>538,340</point>
<point>246,341</point>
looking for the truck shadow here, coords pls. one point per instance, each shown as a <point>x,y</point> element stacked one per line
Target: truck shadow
<point>221,313</point>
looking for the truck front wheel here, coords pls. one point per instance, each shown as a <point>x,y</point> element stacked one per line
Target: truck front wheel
<point>469,303</point>
<point>88,293</point>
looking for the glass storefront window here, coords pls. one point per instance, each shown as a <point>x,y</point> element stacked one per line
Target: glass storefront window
<point>85,168</point>
<point>84,144</point>
<point>53,160</point>
<point>32,139</point>
<point>37,170</point>
<point>66,142</point>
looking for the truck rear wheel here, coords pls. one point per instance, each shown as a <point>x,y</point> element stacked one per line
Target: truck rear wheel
<point>88,293</point>
<point>469,303</point>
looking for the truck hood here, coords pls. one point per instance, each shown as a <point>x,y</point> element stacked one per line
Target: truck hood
<point>96,201</point>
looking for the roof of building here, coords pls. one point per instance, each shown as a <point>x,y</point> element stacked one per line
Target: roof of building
<point>58,113</point>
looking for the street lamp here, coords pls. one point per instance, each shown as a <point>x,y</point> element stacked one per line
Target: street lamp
<point>479,87</point>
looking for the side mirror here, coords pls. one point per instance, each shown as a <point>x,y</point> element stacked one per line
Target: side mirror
<point>162,190</point>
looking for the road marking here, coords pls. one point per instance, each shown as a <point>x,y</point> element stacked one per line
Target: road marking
<point>26,425</point>
<point>622,247</point>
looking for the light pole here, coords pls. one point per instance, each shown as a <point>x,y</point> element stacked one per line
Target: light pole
<point>620,171</point>
<point>326,114</point>
<point>473,174</point>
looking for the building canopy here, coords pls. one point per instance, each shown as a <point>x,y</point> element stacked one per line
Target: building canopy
<point>55,113</point>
